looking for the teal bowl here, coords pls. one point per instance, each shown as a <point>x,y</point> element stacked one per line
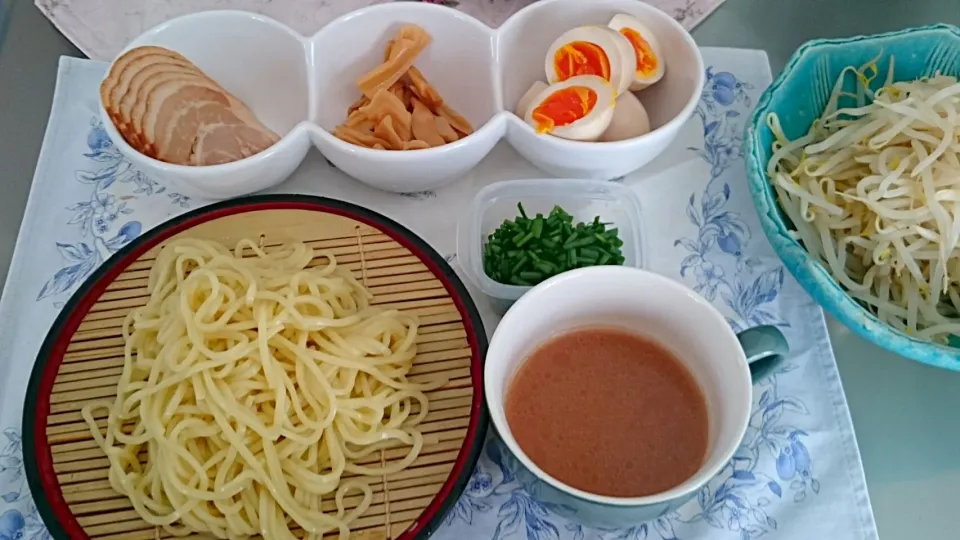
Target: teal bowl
<point>798,96</point>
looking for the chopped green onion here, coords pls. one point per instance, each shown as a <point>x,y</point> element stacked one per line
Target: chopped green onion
<point>580,242</point>
<point>587,252</point>
<point>525,251</point>
<point>545,267</point>
<point>519,264</point>
<point>537,227</point>
<point>528,237</point>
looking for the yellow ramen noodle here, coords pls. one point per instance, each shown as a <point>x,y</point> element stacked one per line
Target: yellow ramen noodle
<point>251,386</point>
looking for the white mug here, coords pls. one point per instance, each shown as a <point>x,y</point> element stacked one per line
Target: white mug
<point>648,304</point>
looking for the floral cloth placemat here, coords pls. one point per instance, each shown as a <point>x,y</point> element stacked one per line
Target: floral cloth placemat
<point>797,474</point>
<point>101,28</point>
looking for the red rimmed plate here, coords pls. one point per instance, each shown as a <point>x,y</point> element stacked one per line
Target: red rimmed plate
<point>81,358</point>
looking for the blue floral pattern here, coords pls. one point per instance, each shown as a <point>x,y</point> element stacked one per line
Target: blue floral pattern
<point>98,220</point>
<point>717,254</point>
<point>99,226</point>
<point>19,519</point>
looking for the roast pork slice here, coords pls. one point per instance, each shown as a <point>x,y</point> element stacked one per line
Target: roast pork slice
<point>156,91</point>
<point>167,108</point>
<point>144,74</point>
<point>223,143</point>
<point>155,88</point>
<point>195,125</point>
<point>119,73</point>
<point>192,110</point>
<point>141,67</point>
<point>167,102</point>
<point>133,105</point>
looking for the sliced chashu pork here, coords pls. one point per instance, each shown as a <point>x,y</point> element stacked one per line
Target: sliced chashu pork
<point>205,132</point>
<point>184,117</point>
<point>134,90</point>
<point>154,89</point>
<point>154,121</point>
<point>154,92</point>
<point>222,143</point>
<point>132,74</point>
<point>166,107</point>
<point>119,74</point>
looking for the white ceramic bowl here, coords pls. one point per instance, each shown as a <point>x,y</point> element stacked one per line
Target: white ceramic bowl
<point>722,363</point>
<point>260,61</point>
<point>522,43</point>
<point>459,63</point>
<point>301,88</point>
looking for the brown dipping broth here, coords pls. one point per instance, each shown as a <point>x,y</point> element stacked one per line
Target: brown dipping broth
<point>609,412</point>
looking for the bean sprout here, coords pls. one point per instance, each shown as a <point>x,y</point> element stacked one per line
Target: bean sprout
<point>873,191</point>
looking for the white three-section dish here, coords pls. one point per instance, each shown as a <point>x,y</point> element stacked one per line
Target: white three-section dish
<point>301,87</point>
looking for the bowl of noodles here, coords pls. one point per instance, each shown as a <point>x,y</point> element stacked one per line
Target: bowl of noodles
<point>853,159</point>
<point>272,367</point>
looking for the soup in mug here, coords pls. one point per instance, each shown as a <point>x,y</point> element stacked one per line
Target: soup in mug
<point>609,412</point>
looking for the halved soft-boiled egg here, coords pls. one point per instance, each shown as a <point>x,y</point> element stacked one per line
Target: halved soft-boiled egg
<point>648,58</point>
<point>579,108</point>
<point>591,50</point>
<point>524,104</point>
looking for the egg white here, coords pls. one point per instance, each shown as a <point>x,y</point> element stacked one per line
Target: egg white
<point>524,104</point>
<point>629,120</point>
<point>628,54</point>
<point>639,81</point>
<point>616,47</point>
<point>594,123</point>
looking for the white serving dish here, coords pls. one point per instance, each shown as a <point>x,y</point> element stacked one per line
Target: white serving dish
<point>651,305</point>
<point>301,88</point>
<point>583,199</point>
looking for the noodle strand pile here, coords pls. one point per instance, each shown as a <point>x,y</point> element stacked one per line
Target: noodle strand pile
<point>256,392</point>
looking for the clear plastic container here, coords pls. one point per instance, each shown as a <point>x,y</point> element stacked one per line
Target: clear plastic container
<point>584,199</point>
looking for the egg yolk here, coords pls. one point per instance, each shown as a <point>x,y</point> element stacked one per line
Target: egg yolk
<point>581,58</point>
<point>646,60</point>
<point>563,108</point>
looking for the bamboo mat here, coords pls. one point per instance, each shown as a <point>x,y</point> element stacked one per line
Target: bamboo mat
<point>397,278</point>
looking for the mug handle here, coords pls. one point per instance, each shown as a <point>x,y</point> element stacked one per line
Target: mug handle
<point>765,348</point>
